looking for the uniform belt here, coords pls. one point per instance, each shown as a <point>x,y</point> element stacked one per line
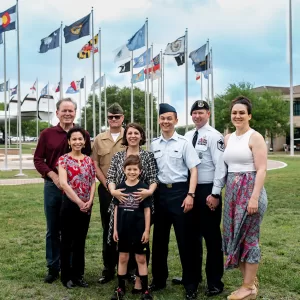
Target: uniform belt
<point>173,185</point>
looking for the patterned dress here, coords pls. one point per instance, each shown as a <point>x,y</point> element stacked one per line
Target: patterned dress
<point>240,230</point>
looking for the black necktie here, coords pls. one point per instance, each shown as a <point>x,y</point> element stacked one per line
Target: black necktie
<point>195,137</point>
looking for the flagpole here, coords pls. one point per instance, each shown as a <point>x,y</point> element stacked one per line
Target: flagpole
<point>79,105</point>
<point>163,81</point>
<point>93,70</point>
<point>105,100</point>
<point>61,78</point>
<point>201,75</point>
<point>291,81</point>
<point>48,106</point>
<point>85,102</point>
<point>19,93</point>
<point>131,102</point>
<point>5,106</point>
<point>147,101</point>
<point>207,67</point>
<point>9,112</point>
<point>100,100</point>
<point>158,99</point>
<point>37,109</point>
<point>212,91</point>
<point>161,76</point>
<point>186,83</point>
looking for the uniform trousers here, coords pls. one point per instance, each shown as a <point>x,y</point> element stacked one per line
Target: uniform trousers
<point>168,212</point>
<point>109,251</point>
<point>74,228</point>
<point>206,224</point>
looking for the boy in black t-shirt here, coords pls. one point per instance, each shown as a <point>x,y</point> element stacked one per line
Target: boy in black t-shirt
<point>132,227</point>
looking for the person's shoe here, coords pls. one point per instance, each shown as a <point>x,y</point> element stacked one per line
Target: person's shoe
<point>213,291</point>
<point>246,292</point>
<point>80,282</point>
<point>190,295</point>
<point>105,279</point>
<point>135,291</point>
<point>146,296</point>
<point>118,294</point>
<point>177,280</point>
<point>51,276</point>
<point>156,287</point>
<point>69,284</point>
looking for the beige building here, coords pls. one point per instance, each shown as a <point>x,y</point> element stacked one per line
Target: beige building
<point>279,142</point>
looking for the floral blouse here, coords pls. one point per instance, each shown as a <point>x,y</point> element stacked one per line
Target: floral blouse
<point>79,176</point>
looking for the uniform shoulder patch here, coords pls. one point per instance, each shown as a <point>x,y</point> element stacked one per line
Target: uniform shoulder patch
<point>220,145</point>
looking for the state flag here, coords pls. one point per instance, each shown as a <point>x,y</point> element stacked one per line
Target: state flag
<point>202,65</point>
<point>143,59</point>
<point>198,55</point>
<point>121,53</point>
<point>176,47</point>
<point>198,76</point>
<point>137,40</point>
<point>138,77</point>
<point>125,67</point>
<point>8,19</point>
<point>156,60</point>
<point>70,90</point>
<point>45,90</point>
<point>58,88</point>
<point>50,42</point>
<point>73,85</point>
<point>2,87</point>
<point>33,88</point>
<point>152,69</point>
<point>98,83</point>
<point>82,83</point>
<point>88,48</point>
<point>77,30</point>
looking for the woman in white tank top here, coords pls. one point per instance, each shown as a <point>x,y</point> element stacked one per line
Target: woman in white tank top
<point>245,198</point>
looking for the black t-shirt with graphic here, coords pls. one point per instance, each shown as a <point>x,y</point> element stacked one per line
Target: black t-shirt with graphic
<point>131,216</point>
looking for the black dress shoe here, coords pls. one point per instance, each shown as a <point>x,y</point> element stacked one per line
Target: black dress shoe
<point>177,280</point>
<point>190,295</point>
<point>80,282</point>
<point>156,287</point>
<point>51,277</point>
<point>213,291</point>
<point>105,279</point>
<point>69,284</point>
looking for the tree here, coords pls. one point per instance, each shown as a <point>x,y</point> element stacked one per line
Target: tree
<point>270,112</point>
<point>121,96</point>
<point>28,128</point>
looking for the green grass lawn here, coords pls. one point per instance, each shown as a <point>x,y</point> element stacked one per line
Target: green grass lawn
<point>22,247</point>
<point>26,147</point>
<point>11,174</point>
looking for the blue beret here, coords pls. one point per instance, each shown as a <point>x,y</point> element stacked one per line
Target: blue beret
<point>199,104</point>
<point>165,107</point>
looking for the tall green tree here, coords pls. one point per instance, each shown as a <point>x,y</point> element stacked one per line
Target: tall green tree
<point>270,112</point>
<point>28,128</point>
<point>123,97</point>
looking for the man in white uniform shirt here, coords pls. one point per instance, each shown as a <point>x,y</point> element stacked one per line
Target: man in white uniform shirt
<point>207,212</point>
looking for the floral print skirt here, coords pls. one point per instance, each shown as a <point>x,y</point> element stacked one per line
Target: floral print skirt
<point>240,230</point>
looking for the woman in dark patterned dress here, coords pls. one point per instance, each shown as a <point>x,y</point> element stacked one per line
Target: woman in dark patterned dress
<point>133,139</point>
<point>245,198</point>
<point>77,179</point>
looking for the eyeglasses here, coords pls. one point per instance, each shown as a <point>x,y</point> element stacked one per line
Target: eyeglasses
<point>113,117</point>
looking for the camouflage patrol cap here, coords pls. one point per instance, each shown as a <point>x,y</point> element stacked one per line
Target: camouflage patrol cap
<point>115,109</point>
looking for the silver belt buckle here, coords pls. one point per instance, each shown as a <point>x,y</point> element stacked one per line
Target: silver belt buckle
<point>169,185</point>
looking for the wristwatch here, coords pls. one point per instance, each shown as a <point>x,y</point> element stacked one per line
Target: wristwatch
<point>216,196</point>
<point>191,194</point>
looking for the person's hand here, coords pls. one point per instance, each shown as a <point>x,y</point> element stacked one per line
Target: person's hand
<point>142,194</point>
<point>115,236</point>
<point>119,195</point>
<point>188,203</point>
<point>252,207</point>
<point>55,180</point>
<point>87,206</point>
<point>81,204</point>
<point>145,237</point>
<point>212,202</point>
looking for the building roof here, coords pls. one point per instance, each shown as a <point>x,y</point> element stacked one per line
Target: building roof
<point>284,90</point>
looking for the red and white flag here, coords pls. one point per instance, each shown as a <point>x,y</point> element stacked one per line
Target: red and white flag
<point>58,88</point>
<point>198,76</point>
<point>33,88</point>
<point>73,85</point>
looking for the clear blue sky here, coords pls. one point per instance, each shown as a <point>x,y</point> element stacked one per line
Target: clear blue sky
<point>249,41</point>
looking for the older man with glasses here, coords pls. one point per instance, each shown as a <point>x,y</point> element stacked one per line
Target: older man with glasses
<point>106,144</point>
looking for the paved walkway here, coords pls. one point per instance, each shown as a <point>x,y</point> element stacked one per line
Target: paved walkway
<point>28,164</point>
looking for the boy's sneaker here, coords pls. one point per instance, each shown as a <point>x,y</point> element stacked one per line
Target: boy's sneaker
<point>118,295</point>
<point>146,296</point>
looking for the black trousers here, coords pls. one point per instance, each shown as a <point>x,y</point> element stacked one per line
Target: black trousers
<point>168,212</point>
<point>74,228</point>
<point>206,224</point>
<point>109,252</point>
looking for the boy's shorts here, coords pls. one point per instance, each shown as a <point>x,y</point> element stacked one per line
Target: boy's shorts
<point>133,247</point>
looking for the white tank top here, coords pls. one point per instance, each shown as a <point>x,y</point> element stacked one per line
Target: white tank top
<point>237,154</point>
